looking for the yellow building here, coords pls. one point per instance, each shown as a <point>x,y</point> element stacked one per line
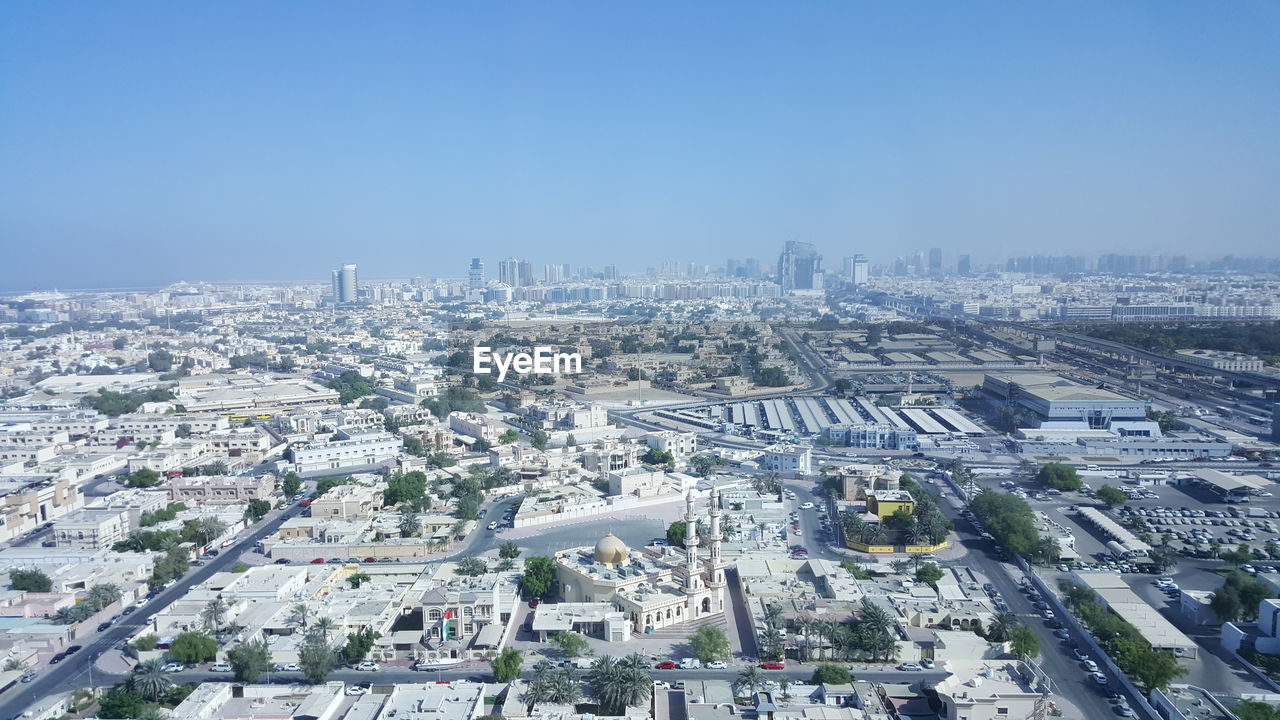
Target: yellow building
<point>884,503</point>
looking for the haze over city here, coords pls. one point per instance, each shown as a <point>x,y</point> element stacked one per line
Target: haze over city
<point>143,143</point>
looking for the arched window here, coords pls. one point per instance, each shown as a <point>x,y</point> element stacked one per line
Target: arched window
<point>433,614</point>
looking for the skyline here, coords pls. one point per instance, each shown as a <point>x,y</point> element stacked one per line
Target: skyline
<point>241,143</point>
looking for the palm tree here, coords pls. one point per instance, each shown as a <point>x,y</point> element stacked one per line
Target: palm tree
<point>214,614</point>
<point>551,685</point>
<point>323,627</point>
<point>619,684</point>
<point>150,680</point>
<point>875,617</point>
<point>1002,624</point>
<point>773,616</point>
<point>771,644</point>
<point>102,595</point>
<point>750,679</point>
<point>298,615</point>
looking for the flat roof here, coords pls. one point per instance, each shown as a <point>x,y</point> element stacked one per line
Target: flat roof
<point>1116,594</point>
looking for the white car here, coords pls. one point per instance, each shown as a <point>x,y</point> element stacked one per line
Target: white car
<point>357,690</point>
<point>1091,666</point>
<point>369,666</point>
<point>717,665</point>
<point>807,506</point>
<point>287,667</point>
<point>174,667</point>
<point>220,667</point>
<point>910,667</point>
<point>1099,678</point>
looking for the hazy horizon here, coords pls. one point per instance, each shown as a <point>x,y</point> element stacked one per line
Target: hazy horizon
<point>143,143</point>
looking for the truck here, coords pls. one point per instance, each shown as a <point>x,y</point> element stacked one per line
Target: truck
<point>690,663</point>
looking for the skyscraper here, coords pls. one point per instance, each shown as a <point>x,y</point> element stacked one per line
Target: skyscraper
<point>800,267</point>
<point>347,286</point>
<point>963,266</point>
<point>861,270</point>
<point>475,274</point>
<point>935,261</point>
<point>509,272</point>
<point>335,284</point>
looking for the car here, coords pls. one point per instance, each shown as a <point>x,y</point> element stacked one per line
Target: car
<point>212,553</point>
<point>220,667</point>
<point>1111,693</point>
<point>1062,633</point>
<point>1081,654</point>
<point>173,667</point>
<point>535,602</point>
<point>658,542</point>
<point>129,610</point>
<point>28,676</point>
<point>370,560</point>
<point>368,666</point>
<point>1099,678</point>
<point>57,658</point>
<point>356,690</point>
<point>317,561</point>
<point>717,665</point>
<point>282,561</point>
<point>334,561</point>
<point>910,667</point>
<point>72,650</point>
<point>198,563</point>
<point>104,625</point>
<point>662,684</point>
<point>493,525</point>
<point>665,665</point>
<point>927,663</point>
<point>387,560</point>
<point>1124,709</point>
<point>1047,614</point>
<point>772,665</point>
<point>807,506</point>
<point>1091,666</point>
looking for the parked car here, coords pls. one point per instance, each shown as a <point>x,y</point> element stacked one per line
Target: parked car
<point>1091,666</point>
<point>28,676</point>
<point>772,665</point>
<point>717,665</point>
<point>1099,678</point>
<point>927,663</point>
<point>220,667</point>
<point>665,665</point>
<point>287,667</point>
<point>174,667</point>
<point>910,667</point>
<point>368,666</point>
<point>356,690</point>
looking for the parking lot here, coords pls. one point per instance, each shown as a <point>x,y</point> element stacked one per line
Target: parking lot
<point>1192,519</point>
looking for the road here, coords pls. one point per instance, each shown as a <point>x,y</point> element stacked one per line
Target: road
<point>1070,679</point>
<point>74,672</point>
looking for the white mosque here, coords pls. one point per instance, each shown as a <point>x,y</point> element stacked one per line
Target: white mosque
<point>657,587</point>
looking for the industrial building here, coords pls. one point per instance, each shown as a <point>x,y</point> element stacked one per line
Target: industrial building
<point>1053,398</point>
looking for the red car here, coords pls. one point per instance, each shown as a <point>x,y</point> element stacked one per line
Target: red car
<point>771,665</point>
<point>535,602</point>
<point>666,665</point>
<point>371,559</point>
<point>317,561</point>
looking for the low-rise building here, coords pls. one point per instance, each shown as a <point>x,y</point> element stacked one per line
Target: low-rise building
<point>91,529</point>
<point>220,489</point>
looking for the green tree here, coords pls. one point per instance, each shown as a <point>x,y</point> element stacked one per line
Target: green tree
<point>506,667</point>
<point>30,581</point>
<point>828,674</point>
<point>257,509</point>
<point>316,658</point>
<point>249,660</point>
<point>410,525</point>
<point>410,487</point>
<point>709,643</point>
<point>143,478</point>
<point>654,456</point>
<point>120,702</point>
<point>1111,496</point>
<point>570,643</point>
<point>508,550</point>
<point>1059,476</point>
<point>1023,641</point>
<point>676,533</point>
<point>471,566</point>
<point>540,440</point>
<point>508,437</point>
<point>359,643</point>
<point>538,577</point>
<point>291,484</point>
<point>358,579</point>
<point>1256,710</point>
<point>193,647</point>
<point>929,574</point>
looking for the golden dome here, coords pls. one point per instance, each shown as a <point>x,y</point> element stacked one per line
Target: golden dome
<point>611,550</point>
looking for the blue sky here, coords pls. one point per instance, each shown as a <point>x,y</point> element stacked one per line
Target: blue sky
<point>147,142</point>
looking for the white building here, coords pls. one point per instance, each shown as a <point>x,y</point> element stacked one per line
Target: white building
<point>787,459</point>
